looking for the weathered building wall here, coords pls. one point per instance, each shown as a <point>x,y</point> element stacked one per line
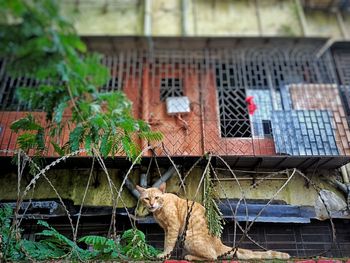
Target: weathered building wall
<point>166,18</point>
<point>203,18</point>
<point>71,184</point>
<point>287,23</point>
<point>322,24</point>
<point>297,192</point>
<point>225,18</point>
<point>95,18</point>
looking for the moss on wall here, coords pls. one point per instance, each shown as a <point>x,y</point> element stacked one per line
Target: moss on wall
<point>297,192</point>
<point>204,18</point>
<point>279,18</point>
<point>346,17</point>
<point>71,185</point>
<point>166,18</point>
<point>117,18</point>
<point>322,24</point>
<point>225,18</point>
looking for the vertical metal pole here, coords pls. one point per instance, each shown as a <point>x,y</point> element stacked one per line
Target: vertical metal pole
<point>184,15</point>
<point>301,15</point>
<point>147,23</point>
<point>144,180</point>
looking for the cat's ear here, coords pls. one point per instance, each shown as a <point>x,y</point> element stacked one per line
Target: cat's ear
<point>140,189</point>
<point>162,187</point>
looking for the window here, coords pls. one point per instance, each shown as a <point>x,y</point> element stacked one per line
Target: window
<point>112,85</point>
<point>234,117</point>
<point>170,87</point>
<point>267,128</point>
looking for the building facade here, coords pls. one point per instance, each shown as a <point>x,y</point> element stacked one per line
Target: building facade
<point>267,100</point>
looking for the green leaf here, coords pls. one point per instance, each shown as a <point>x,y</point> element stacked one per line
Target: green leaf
<point>75,137</point>
<point>73,41</point>
<point>106,145</point>
<point>151,136</point>
<point>38,42</point>
<point>99,242</point>
<point>57,148</point>
<point>27,123</point>
<point>59,111</point>
<point>88,141</point>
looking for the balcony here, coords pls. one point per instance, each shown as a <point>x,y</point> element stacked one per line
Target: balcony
<point>301,116</point>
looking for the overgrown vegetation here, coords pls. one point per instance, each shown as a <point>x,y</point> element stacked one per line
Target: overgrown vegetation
<point>38,42</point>
<point>212,211</point>
<point>53,246</point>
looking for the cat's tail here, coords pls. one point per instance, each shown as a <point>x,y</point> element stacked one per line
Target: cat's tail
<point>250,254</point>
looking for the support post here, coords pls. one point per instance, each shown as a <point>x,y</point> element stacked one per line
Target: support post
<point>147,23</point>
<point>184,16</point>
<point>165,177</point>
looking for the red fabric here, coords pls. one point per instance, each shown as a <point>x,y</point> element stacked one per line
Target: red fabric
<point>251,105</point>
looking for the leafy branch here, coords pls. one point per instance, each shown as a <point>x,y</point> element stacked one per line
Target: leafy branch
<point>212,211</point>
<point>52,245</point>
<point>40,43</point>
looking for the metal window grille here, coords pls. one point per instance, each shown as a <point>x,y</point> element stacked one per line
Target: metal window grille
<point>342,60</point>
<point>234,117</point>
<point>267,127</point>
<point>170,87</point>
<point>218,80</point>
<point>116,67</point>
<point>111,85</point>
<point>9,85</point>
<point>8,89</point>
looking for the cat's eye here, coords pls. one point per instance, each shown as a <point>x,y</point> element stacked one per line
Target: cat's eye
<point>147,199</point>
<point>157,197</point>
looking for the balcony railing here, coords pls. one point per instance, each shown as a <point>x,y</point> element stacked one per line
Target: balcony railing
<point>301,104</point>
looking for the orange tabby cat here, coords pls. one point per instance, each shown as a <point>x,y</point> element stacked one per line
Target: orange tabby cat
<point>170,212</point>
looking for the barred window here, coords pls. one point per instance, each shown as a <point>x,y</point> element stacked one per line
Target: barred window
<point>170,87</point>
<point>234,117</point>
<point>113,84</point>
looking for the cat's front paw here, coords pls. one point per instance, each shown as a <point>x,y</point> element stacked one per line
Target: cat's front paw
<point>280,255</point>
<point>284,255</point>
<point>163,255</point>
